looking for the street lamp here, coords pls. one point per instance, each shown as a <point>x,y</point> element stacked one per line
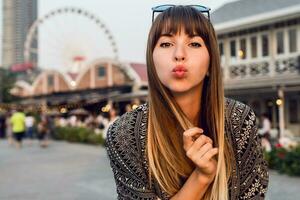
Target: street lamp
<point>280,103</point>
<point>1,85</point>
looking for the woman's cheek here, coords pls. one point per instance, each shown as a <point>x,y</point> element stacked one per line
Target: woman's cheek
<point>163,76</point>
<point>162,71</point>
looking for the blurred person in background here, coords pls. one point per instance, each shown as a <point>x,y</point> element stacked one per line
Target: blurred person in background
<point>113,116</point>
<point>101,122</point>
<point>72,120</point>
<point>29,123</point>
<point>17,121</point>
<point>128,108</point>
<point>8,128</point>
<point>2,125</point>
<point>264,132</point>
<point>43,131</point>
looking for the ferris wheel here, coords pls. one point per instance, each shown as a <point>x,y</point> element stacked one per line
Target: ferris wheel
<point>67,38</point>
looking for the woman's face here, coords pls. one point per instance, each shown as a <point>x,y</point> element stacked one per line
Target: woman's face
<point>181,61</point>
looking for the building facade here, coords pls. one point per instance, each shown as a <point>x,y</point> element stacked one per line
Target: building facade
<point>18,16</point>
<point>260,56</point>
<point>98,82</point>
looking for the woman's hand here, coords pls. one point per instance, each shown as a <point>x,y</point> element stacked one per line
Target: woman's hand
<point>199,148</point>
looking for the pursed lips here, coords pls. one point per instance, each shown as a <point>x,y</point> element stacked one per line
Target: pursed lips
<point>179,71</point>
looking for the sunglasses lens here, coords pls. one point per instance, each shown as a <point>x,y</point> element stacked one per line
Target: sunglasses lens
<point>201,8</point>
<point>161,8</point>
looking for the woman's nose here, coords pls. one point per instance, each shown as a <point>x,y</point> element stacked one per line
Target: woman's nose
<point>179,54</point>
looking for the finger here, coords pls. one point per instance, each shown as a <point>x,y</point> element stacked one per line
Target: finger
<point>193,131</point>
<point>188,137</point>
<point>199,148</point>
<point>203,150</point>
<point>210,154</point>
<point>207,160</point>
<point>208,139</point>
<point>201,140</point>
<point>196,146</point>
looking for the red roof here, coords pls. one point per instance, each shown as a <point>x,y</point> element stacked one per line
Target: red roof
<point>21,67</point>
<point>141,70</point>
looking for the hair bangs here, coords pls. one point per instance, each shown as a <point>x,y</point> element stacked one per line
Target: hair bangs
<point>181,18</point>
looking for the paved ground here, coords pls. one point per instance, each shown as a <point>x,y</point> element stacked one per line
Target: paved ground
<point>62,171</point>
<point>80,172</point>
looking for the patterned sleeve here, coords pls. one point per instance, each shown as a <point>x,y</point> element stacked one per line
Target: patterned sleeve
<point>126,163</point>
<point>254,175</point>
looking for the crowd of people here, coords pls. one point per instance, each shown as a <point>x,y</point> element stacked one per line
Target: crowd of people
<point>19,124</point>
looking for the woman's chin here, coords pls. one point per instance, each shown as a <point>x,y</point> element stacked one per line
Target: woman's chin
<point>181,89</point>
<point>178,90</point>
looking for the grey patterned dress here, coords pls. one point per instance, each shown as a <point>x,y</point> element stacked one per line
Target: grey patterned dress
<point>126,143</point>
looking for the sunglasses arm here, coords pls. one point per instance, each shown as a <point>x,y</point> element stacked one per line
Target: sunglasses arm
<point>153,15</point>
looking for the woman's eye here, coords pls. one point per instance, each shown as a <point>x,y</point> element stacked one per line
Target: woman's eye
<point>165,44</point>
<point>195,44</point>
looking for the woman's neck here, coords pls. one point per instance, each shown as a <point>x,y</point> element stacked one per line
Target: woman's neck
<point>190,102</point>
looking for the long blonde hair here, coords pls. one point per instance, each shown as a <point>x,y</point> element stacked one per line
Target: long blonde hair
<point>168,163</point>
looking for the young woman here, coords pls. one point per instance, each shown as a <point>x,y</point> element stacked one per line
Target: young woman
<point>188,142</point>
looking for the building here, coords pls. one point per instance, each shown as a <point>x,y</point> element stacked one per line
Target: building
<point>98,82</point>
<point>259,42</point>
<point>18,16</point>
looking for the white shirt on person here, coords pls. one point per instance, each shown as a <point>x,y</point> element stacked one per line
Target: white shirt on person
<point>29,121</point>
<point>266,126</point>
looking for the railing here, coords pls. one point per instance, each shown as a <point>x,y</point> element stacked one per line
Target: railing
<point>287,65</point>
<point>249,70</point>
<point>264,70</point>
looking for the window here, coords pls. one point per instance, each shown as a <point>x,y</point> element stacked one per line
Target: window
<point>265,45</point>
<point>243,48</point>
<point>293,40</point>
<point>253,47</point>
<point>293,111</point>
<point>221,49</point>
<point>50,80</point>
<point>233,49</point>
<point>280,42</point>
<point>101,72</point>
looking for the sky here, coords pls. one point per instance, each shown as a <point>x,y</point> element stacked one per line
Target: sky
<point>128,21</point>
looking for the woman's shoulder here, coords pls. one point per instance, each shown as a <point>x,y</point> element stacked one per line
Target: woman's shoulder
<point>236,108</point>
<point>127,123</point>
<point>126,135</point>
<point>237,114</point>
<point>240,123</point>
<point>125,145</point>
<point>251,168</point>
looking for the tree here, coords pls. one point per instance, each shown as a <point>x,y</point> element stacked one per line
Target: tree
<point>7,80</point>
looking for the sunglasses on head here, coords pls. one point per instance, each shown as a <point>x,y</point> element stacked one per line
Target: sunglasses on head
<point>162,8</point>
